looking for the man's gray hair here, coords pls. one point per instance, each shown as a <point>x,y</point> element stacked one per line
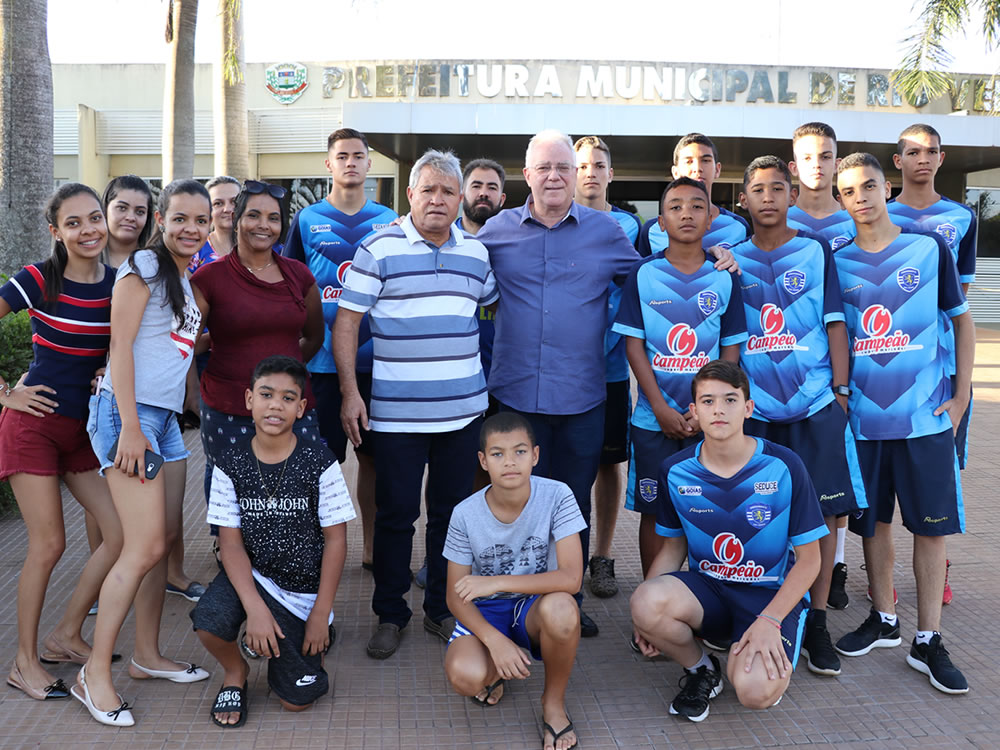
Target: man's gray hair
<point>550,135</point>
<point>444,162</point>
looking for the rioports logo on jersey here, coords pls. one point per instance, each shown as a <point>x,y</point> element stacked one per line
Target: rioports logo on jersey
<point>774,337</point>
<point>880,338</point>
<point>682,342</point>
<point>728,550</point>
<point>332,293</point>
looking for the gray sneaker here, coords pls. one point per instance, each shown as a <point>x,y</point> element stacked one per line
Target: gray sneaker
<point>602,577</point>
<point>443,629</point>
<point>384,641</point>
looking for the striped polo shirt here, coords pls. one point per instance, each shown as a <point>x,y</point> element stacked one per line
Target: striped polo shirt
<point>422,302</point>
<point>70,334</point>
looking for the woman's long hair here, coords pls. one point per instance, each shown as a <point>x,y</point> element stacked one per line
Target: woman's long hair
<point>131,182</point>
<point>54,268</point>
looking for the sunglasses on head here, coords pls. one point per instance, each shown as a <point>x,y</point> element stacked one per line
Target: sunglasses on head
<point>254,187</point>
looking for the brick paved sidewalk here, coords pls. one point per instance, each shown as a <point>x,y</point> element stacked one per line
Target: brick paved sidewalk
<point>616,699</point>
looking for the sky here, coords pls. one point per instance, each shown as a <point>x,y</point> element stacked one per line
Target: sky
<point>764,32</point>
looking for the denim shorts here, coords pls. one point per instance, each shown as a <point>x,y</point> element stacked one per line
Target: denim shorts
<point>159,425</point>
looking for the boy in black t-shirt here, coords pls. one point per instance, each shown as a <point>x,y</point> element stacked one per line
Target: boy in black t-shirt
<point>281,505</point>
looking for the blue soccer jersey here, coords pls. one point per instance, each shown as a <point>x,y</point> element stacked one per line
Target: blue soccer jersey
<point>683,320</point>
<point>892,302</point>
<point>326,239</point>
<point>954,222</point>
<point>616,363</point>
<point>727,229</point>
<point>487,323</point>
<point>741,529</point>
<point>837,229</point>
<point>790,295</point>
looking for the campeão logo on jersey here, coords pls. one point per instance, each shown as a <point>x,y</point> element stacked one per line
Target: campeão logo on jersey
<point>682,341</point>
<point>772,323</point>
<point>332,293</point>
<point>876,322</point>
<point>728,549</point>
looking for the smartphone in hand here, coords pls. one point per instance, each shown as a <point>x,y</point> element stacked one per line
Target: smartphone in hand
<point>152,461</point>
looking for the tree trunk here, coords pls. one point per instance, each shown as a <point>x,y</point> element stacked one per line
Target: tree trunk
<point>26,164</point>
<point>230,101</point>
<point>178,92</point>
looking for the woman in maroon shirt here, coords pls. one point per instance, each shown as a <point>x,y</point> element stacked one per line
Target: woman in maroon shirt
<point>255,303</point>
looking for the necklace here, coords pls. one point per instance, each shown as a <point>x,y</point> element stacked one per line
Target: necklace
<point>271,504</point>
<point>251,269</point>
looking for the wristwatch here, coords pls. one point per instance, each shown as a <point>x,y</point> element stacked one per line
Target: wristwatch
<point>842,390</point>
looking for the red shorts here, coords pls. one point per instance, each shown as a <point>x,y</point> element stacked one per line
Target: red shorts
<point>43,446</point>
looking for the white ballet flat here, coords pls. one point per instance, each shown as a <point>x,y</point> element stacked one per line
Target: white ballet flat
<point>120,717</point>
<point>191,674</point>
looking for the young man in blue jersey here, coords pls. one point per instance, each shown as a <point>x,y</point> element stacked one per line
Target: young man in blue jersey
<point>593,175</point>
<point>738,507</point>
<point>695,156</point>
<point>818,212</point>
<point>904,409</point>
<point>325,236</point>
<point>797,359</point>
<point>921,208</point>
<point>677,313</point>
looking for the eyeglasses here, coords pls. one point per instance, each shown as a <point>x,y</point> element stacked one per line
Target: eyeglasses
<point>255,187</point>
<point>562,168</point>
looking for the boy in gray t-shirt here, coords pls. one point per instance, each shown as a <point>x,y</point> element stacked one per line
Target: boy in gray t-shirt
<point>514,563</point>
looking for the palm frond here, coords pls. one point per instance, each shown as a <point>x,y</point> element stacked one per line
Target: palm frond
<point>232,65</point>
<point>923,69</point>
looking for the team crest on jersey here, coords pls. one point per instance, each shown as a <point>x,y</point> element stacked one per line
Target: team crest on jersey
<point>794,281</point>
<point>682,342</point>
<point>876,323</point>
<point>908,279</point>
<point>647,490</point>
<point>758,515</point>
<point>838,242</point>
<point>948,232</point>
<point>708,302</point>
<point>728,550</point>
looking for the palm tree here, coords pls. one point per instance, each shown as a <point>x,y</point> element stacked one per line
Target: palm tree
<point>26,163</point>
<point>230,100</point>
<point>922,71</point>
<point>178,90</point>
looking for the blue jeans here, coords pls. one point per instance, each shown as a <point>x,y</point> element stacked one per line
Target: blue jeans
<point>400,458</point>
<point>569,450</point>
<point>158,425</point>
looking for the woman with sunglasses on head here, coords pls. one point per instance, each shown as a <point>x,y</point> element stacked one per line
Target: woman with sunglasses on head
<point>133,429</point>
<point>223,191</point>
<point>42,428</point>
<point>255,303</point>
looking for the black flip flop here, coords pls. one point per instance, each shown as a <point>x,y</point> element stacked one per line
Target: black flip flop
<point>489,691</point>
<point>556,735</point>
<point>229,700</point>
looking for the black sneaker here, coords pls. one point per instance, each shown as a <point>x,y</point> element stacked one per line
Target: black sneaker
<point>697,689</point>
<point>838,596</point>
<point>873,633</point>
<point>932,659</point>
<point>816,645</point>
<point>588,628</point>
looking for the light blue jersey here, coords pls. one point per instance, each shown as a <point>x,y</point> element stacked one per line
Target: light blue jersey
<point>616,363</point>
<point>727,229</point>
<point>837,229</point>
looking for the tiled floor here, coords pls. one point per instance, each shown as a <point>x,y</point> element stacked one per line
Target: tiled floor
<point>617,699</point>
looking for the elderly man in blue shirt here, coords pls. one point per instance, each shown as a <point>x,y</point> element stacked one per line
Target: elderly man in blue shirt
<point>554,260</point>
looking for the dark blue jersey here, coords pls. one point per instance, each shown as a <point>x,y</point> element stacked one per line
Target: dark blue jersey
<point>837,229</point>
<point>616,363</point>
<point>740,529</point>
<point>326,239</point>
<point>954,222</point>
<point>892,302</point>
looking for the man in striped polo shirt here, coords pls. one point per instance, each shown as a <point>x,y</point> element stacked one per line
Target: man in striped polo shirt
<point>421,284</point>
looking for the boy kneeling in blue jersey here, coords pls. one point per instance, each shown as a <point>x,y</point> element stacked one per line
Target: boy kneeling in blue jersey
<point>281,506</point>
<point>737,506</point>
<point>514,563</point>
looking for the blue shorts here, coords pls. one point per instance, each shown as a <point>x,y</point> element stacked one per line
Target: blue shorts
<point>731,608</point>
<point>159,425</point>
<point>962,434</point>
<point>649,450</point>
<point>923,473</point>
<point>509,617</point>
<point>825,443</point>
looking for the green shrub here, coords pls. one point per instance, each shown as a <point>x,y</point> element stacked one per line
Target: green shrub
<point>15,356</point>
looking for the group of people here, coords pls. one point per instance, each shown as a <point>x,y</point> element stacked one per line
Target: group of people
<point>796,375</point>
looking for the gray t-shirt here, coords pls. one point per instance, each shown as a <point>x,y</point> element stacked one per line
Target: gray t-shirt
<point>524,547</point>
<point>164,345</point>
